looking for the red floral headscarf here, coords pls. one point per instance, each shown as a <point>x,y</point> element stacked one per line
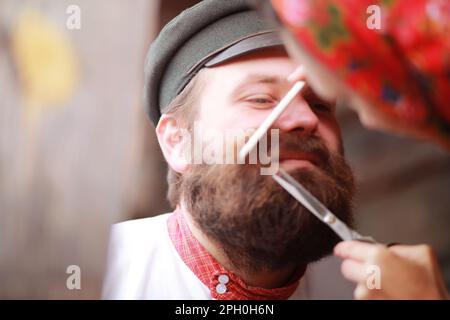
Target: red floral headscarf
<point>402,68</point>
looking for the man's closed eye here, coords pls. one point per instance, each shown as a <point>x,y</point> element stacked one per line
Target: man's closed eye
<point>261,101</point>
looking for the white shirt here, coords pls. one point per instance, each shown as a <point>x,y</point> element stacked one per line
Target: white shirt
<point>144,264</point>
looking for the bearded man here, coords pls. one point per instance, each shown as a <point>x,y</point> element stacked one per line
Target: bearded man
<point>234,233</point>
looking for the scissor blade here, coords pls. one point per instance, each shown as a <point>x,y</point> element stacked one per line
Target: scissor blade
<point>310,202</point>
<point>337,225</point>
<point>293,191</point>
<point>305,197</point>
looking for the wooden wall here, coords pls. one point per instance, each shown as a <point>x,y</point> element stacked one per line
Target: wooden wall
<point>69,171</point>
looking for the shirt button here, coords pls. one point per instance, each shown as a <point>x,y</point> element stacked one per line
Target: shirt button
<point>221,288</point>
<point>223,278</point>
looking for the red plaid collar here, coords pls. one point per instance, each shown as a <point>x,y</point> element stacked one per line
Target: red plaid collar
<point>223,285</point>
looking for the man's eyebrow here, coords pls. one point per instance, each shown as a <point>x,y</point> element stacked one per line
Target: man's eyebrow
<point>261,78</point>
<point>253,79</point>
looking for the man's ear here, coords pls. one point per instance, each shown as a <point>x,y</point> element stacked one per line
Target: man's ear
<point>170,138</point>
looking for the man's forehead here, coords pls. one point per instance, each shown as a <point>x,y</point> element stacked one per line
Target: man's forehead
<point>256,78</point>
<point>256,71</point>
<point>263,78</point>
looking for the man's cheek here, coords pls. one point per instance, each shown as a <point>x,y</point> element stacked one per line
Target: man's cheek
<point>243,117</point>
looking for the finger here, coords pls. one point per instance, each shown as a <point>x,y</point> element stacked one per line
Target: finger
<point>361,293</point>
<point>354,271</point>
<point>356,250</point>
<point>298,74</point>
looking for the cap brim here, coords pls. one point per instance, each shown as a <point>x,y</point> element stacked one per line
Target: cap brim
<point>248,45</point>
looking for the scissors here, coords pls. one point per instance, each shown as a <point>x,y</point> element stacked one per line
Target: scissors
<point>317,208</point>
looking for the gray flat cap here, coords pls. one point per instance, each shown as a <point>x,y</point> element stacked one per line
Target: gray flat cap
<point>205,35</point>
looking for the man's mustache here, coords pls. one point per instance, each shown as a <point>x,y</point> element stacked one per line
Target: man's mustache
<point>295,146</point>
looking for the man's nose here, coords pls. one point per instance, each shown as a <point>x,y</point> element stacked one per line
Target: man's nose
<point>298,116</point>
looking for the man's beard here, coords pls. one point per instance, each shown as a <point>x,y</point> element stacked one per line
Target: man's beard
<point>258,224</point>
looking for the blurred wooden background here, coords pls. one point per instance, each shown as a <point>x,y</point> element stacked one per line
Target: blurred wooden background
<point>93,160</point>
<point>71,171</point>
